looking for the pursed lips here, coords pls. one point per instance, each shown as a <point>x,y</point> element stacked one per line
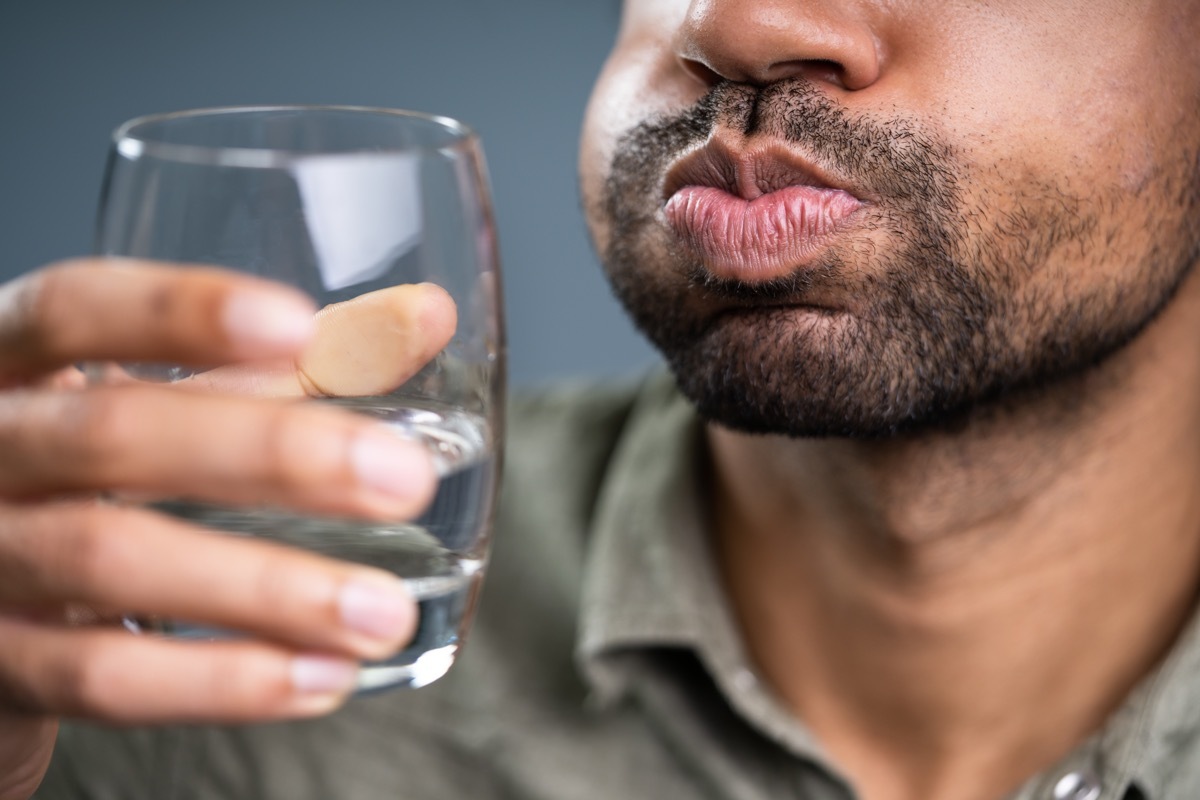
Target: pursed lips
<point>753,214</point>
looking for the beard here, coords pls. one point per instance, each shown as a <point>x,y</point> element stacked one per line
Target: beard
<point>942,305</point>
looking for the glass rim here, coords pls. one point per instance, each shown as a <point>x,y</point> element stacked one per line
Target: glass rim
<point>125,142</point>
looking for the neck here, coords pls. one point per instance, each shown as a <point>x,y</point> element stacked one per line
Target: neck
<point>923,602</point>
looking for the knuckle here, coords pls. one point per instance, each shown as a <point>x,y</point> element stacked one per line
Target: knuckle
<point>274,584</point>
<point>89,683</point>
<point>85,550</point>
<point>32,552</point>
<point>59,685</point>
<point>78,683</point>
<point>57,552</point>
<point>98,422</point>
<point>288,429</point>
<point>33,302</point>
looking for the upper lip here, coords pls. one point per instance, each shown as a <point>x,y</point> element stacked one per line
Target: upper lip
<point>747,172</point>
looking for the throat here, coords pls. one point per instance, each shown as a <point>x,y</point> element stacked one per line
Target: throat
<point>921,608</point>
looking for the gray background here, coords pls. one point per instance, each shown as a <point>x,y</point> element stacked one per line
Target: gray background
<point>517,70</point>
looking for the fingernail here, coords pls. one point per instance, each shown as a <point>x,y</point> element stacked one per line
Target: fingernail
<point>268,319</point>
<point>379,607</point>
<point>392,465</point>
<point>313,674</point>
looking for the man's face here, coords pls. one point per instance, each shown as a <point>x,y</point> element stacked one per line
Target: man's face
<point>858,217</point>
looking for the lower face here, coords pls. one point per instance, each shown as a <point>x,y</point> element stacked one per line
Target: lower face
<point>963,268</point>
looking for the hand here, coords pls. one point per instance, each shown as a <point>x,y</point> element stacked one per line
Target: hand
<point>70,561</point>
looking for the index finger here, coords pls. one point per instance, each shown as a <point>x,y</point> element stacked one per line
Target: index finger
<point>107,309</point>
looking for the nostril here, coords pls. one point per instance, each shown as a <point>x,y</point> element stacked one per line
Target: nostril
<point>701,72</point>
<point>815,70</point>
<point>822,70</point>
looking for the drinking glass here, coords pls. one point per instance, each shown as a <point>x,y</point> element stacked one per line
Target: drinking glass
<point>341,202</point>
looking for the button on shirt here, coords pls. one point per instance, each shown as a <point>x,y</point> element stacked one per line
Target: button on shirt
<point>604,663</point>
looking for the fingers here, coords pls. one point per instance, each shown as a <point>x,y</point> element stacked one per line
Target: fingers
<point>116,677</point>
<point>58,437</point>
<point>366,346</point>
<point>146,564</point>
<point>108,309</point>
<point>156,440</point>
<point>124,310</point>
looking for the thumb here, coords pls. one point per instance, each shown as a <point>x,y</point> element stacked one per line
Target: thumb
<point>366,346</point>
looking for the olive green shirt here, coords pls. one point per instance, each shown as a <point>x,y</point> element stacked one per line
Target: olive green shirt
<point>603,664</point>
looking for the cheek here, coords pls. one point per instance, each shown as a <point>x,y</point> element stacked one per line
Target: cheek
<point>638,82</point>
<point>595,153</point>
<point>1087,142</point>
<point>642,79</point>
<point>1036,97</point>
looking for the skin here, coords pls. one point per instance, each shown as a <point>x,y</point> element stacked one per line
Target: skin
<point>937,603</point>
<point>69,562</point>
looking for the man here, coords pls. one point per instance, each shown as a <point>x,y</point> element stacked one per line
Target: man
<point>925,270</point>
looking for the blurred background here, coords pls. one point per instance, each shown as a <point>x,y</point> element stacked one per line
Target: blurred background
<point>518,71</point>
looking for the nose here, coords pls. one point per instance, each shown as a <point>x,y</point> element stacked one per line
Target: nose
<point>760,41</point>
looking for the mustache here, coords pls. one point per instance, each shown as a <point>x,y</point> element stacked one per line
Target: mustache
<point>891,158</point>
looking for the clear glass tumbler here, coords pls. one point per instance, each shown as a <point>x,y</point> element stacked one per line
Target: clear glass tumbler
<point>342,203</point>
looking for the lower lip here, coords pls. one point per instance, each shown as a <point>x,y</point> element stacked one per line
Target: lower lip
<point>760,239</point>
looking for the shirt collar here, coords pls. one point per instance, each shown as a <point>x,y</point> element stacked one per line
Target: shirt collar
<point>651,582</point>
<point>1140,744</point>
<point>637,585</point>
<point>1160,721</point>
